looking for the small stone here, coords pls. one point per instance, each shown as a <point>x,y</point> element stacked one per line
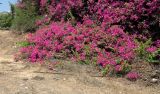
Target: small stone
<point>25,79</point>
<point>22,84</point>
<point>154,80</point>
<point>155,74</point>
<point>56,78</point>
<point>157,71</point>
<point>64,79</point>
<point>145,79</point>
<point>26,87</point>
<point>38,78</point>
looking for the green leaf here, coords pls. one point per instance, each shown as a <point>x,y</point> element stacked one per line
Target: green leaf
<point>23,44</point>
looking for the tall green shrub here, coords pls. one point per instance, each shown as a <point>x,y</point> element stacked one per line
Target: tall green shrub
<point>5,20</point>
<point>24,18</point>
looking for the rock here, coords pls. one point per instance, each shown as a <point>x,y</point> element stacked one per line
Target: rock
<point>64,79</point>
<point>154,80</point>
<point>26,87</point>
<point>145,79</point>
<point>55,78</point>
<point>38,78</point>
<point>25,79</point>
<point>155,74</point>
<point>157,71</point>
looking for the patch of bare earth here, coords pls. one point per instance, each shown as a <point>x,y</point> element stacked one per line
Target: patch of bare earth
<point>24,78</point>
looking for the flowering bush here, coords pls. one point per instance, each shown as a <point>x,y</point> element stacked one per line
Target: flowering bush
<point>101,31</point>
<point>133,15</point>
<point>81,43</point>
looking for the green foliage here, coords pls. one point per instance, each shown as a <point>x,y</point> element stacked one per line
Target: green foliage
<point>12,8</point>
<point>152,57</point>
<point>106,70</point>
<point>126,67</point>
<point>23,44</point>
<point>111,71</point>
<point>88,54</point>
<point>5,20</point>
<point>141,50</point>
<point>143,54</point>
<point>24,18</point>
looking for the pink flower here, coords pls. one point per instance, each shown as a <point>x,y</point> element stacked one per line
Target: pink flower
<point>82,56</point>
<point>112,62</point>
<point>134,17</point>
<point>157,43</point>
<point>43,3</point>
<point>151,49</point>
<point>132,75</point>
<point>118,68</point>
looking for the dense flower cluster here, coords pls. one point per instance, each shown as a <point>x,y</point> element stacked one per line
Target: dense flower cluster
<point>81,43</point>
<point>92,29</point>
<point>151,49</point>
<point>133,15</point>
<point>132,75</point>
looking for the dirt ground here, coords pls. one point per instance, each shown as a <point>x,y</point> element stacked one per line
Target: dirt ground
<point>24,78</point>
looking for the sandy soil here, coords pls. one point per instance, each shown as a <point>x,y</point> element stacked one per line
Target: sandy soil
<point>24,78</point>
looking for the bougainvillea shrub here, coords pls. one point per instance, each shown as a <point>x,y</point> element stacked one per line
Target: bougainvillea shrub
<point>133,15</point>
<point>82,43</point>
<point>101,31</point>
<point>140,16</point>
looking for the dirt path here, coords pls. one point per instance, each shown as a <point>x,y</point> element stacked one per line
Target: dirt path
<point>22,78</point>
